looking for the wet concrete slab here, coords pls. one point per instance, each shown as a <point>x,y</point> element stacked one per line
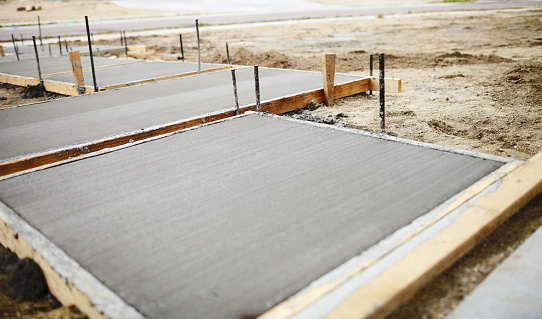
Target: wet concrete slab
<point>129,73</point>
<point>512,290</point>
<point>51,125</point>
<point>43,51</point>
<point>53,65</point>
<point>227,220</point>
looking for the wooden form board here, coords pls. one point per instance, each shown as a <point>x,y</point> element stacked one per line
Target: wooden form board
<point>276,106</point>
<point>374,287</point>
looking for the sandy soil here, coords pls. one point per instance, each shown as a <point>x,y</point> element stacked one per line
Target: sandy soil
<point>470,80</point>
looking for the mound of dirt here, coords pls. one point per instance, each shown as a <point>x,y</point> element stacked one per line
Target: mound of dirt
<point>457,57</point>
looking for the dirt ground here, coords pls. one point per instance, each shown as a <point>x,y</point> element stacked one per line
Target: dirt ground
<point>471,80</point>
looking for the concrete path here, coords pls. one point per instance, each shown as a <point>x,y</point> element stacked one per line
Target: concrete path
<point>72,28</point>
<point>130,73</point>
<point>226,220</point>
<point>43,51</point>
<point>53,65</point>
<point>51,125</point>
<point>513,290</point>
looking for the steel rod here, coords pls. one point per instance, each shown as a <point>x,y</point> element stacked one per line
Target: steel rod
<point>182,49</point>
<point>199,52</point>
<point>22,41</point>
<point>121,39</point>
<point>59,45</point>
<point>125,45</point>
<point>91,57</point>
<point>39,26</point>
<point>37,59</point>
<point>50,52</point>
<point>371,72</point>
<point>234,81</point>
<point>66,44</point>
<point>228,53</point>
<point>257,88</point>
<point>382,94</point>
<point>15,47</point>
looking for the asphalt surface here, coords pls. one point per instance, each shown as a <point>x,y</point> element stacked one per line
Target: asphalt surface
<point>227,220</point>
<point>71,29</point>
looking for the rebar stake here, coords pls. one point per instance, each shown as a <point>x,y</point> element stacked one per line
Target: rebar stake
<point>382,94</point>
<point>37,59</point>
<point>257,88</point>
<point>91,57</point>
<point>234,81</point>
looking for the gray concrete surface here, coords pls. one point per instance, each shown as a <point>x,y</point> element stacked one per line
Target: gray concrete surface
<point>52,65</point>
<point>124,74</point>
<point>43,51</point>
<point>45,126</point>
<point>513,290</point>
<point>226,220</point>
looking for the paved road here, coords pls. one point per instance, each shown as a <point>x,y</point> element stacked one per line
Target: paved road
<point>72,29</point>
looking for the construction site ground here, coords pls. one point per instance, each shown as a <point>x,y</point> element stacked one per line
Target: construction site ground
<point>471,80</point>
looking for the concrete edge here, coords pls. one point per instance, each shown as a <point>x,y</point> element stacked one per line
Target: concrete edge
<point>447,149</point>
<point>100,301</point>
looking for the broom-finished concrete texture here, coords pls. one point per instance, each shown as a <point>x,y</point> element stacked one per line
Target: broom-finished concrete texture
<point>43,51</point>
<point>51,125</point>
<point>513,290</point>
<point>52,65</point>
<point>226,220</point>
<point>129,73</point>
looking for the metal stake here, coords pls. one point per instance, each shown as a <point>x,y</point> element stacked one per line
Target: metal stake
<point>257,88</point>
<point>15,47</point>
<point>371,72</point>
<point>234,81</point>
<point>59,45</point>
<point>121,39</point>
<point>91,57</point>
<point>50,53</point>
<point>125,45</point>
<point>39,26</point>
<point>182,50</point>
<point>22,42</point>
<point>66,44</point>
<point>382,94</point>
<point>199,53</point>
<point>228,53</point>
<point>37,59</point>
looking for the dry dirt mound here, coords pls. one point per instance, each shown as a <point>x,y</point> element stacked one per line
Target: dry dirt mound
<point>271,59</point>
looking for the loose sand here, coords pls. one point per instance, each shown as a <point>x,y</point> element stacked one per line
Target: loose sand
<point>471,80</point>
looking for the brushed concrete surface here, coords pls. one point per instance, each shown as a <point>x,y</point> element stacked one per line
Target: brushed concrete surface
<point>513,290</point>
<point>226,220</point>
<point>128,73</point>
<point>55,124</point>
<point>51,65</point>
<point>55,51</point>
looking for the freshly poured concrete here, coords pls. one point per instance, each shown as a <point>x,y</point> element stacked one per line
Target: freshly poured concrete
<point>52,65</point>
<point>135,72</point>
<point>226,220</point>
<point>55,50</point>
<point>56,124</point>
<point>513,290</point>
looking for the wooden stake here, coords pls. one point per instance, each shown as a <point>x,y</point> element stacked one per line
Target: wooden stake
<point>2,51</point>
<point>328,72</point>
<point>77,71</point>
